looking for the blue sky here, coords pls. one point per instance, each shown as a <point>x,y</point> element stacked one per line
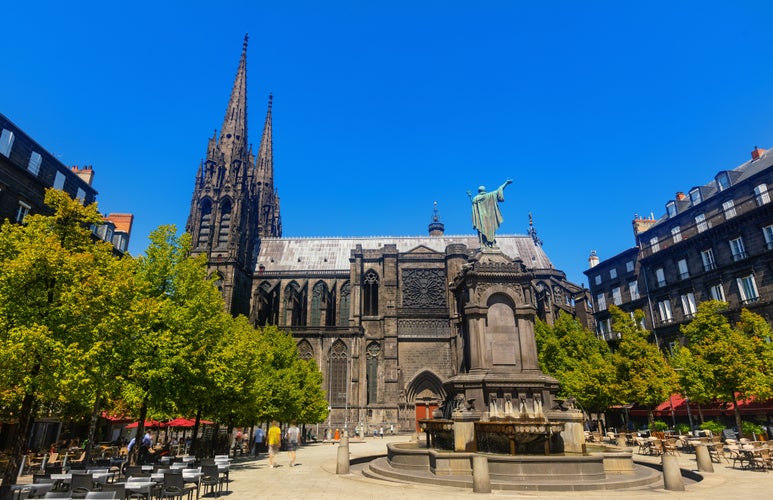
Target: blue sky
<point>598,110</point>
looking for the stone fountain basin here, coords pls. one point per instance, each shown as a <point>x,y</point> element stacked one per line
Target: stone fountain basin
<point>612,469</point>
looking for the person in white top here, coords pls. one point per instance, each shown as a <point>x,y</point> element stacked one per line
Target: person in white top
<point>293,437</point>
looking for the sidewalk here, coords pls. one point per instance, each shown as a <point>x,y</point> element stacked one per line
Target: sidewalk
<point>314,477</point>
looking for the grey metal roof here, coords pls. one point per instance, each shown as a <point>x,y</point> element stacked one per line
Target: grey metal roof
<point>332,254</point>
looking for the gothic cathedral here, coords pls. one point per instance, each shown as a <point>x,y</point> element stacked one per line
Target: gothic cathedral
<point>375,313</point>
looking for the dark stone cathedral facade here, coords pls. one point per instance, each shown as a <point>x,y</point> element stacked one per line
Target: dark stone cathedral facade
<point>375,313</point>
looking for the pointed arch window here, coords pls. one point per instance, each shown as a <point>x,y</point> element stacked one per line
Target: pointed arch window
<point>305,351</point>
<point>268,304</point>
<point>205,222</point>
<point>225,223</point>
<point>370,294</point>
<point>318,303</point>
<point>339,363</point>
<point>295,305</point>
<point>371,371</point>
<point>345,305</point>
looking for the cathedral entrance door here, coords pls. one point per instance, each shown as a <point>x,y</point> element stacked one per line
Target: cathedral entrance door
<point>424,410</point>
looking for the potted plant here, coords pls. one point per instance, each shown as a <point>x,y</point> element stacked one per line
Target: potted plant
<point>682,428</point>
<point>713,426</point>
<point>750,430</point>
<point>658,426</point>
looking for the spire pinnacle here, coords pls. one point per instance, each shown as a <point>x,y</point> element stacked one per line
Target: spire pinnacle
<point>436,228</point>
<point>233,133</point>
<point>533,232</point>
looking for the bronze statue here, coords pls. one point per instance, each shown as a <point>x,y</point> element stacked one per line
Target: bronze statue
<point>486,216</point>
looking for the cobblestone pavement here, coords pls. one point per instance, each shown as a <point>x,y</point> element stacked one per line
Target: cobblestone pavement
<point>314,477</point>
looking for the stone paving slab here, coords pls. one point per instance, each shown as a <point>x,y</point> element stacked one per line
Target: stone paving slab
<point>314,477</point>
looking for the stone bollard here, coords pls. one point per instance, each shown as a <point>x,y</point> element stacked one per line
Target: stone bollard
<point>703,457</point>
<point>342,459</point>
<point>621,442</point>
<point>481,481</point>
<point>672,474</point>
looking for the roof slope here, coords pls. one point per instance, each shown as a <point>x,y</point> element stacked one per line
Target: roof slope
<point>332,254</point>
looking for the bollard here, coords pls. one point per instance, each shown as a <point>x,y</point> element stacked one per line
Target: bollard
<point>342,459</point>
<point>672,474</point>
<point>481,481</point>
<point>703,457</point>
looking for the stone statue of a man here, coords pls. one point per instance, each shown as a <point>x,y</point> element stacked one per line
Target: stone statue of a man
<point>486,216</point>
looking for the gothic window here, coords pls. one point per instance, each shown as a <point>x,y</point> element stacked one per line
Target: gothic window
<point>339,361</point>
<point>424,288</point>
<point>205,222</point>
<point>371,371</point>
<point>268,304</point>
<point>370,294</point>
<point>295,305</point>
<point>305,351</point>
<point>318,302</point>
<point>345,297</point>
<point>225,223</point>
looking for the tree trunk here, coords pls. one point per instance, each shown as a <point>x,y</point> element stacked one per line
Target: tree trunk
<point>92,428</point>
<point>195,437</point>
<point>700,413</point>
<point>737,413</point>
<point>19,444</point>
<point>139,433</point>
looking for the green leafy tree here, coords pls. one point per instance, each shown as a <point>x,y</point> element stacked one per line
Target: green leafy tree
<point>737,359</point>
<point>643,373</point>
<point>59,290</point>
<point>696,379</point>
<point>580,361</point>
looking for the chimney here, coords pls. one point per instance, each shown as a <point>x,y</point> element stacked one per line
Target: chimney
<point>593,260</point>
<point>680,196</point>
<point>86,173</point>
<point>757,152</point>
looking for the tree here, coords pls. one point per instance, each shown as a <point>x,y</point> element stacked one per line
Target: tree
<point>643,373</point>
<point>580,361</point>
<point>696,379</point>
<point>59,290</point>
<point>737,359</point>
<point>180,319</point>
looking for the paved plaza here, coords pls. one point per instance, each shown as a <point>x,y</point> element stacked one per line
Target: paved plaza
<point>315,477</point>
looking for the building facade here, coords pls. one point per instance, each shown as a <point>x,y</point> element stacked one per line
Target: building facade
<point>712,243</point>
<point>27,170</point>
<point>375,313</point>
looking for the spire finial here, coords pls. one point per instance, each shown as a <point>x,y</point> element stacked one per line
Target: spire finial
<point>533,232</point>
<point>435,217</point>
<point>270,100</point>
<point>246,39</point>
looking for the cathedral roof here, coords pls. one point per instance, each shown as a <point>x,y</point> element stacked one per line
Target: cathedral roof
<point>332,254</point>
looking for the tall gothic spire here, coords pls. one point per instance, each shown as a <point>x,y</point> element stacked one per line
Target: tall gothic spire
<point>233,133</point>
<point>265,161</point>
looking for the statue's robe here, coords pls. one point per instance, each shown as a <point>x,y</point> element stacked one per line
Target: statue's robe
<point>486,216</point>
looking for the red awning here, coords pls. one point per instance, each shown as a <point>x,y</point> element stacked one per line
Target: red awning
<point>149,424</point>
<point>186,422</point>
<point>713,409</point>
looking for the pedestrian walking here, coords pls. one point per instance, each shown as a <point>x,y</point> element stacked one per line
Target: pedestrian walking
<point>293,436</point>
<point>381,431</point>
<point>274,442</point>
<point>260,436</point>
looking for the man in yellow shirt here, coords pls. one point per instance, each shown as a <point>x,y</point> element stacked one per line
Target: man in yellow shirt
<point>274,442</point>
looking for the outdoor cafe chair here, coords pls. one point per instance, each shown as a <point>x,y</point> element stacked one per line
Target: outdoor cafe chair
<point>118,488</point>
<point>174,486</point>
<point>58,494</point>
<point>81,483</point>
<point>101,494</point>
<point>211,478</point>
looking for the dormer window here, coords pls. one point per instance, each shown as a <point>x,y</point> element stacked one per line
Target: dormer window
<point>723,181</point>
<point>695,196</point>
<point>671,209</point>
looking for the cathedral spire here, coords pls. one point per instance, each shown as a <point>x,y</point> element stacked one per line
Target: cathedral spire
<point>233,133</point>
<point>265,162</point>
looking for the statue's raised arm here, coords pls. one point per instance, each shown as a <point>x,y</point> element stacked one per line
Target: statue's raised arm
<point>486,216</point>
